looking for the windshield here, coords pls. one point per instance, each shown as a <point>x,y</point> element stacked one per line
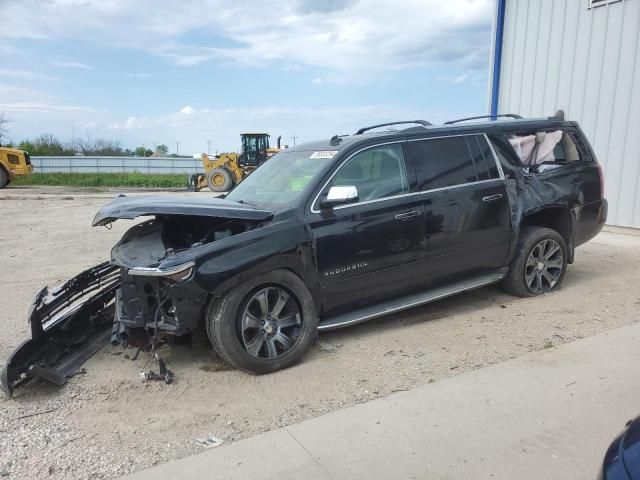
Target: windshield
<point>281,180</point>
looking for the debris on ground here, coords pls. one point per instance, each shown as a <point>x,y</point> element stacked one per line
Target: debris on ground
<point>165,374</point>
<point>209,442</point>
<point>35,413</point>
<point>328,347</point>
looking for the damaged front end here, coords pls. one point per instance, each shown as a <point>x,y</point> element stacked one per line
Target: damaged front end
<point>147,293</point>
<point>68,325</point>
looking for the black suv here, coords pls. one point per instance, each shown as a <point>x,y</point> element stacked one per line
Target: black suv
<point>340,231</point>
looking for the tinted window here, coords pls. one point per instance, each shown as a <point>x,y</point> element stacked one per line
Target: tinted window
<point>443,162</point>
<point>486,167</point>
<point>377,173</point>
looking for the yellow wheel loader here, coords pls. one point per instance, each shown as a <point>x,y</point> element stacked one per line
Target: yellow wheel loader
<point>13,163</point>
<point>226,170</point>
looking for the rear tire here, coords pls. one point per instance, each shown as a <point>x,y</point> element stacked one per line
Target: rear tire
<point>539,264</point>
<point>4,180</point>
<point>246,347</point>
<point>220,180</point>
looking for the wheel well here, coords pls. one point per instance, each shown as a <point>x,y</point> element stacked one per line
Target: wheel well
<point>555,218</point>
<point>233,282</point>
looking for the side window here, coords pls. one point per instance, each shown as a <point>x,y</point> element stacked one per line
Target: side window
<point>485,163</point>
<point>443,162</point>
<point>554,146</point>
<point>377,173</point>
<point>13,159</point>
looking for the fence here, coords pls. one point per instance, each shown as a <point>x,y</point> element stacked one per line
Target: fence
<point>116,165</point>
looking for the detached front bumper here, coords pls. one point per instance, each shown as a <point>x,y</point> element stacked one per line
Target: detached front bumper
<point>68,325</point>
<point>107,302</point>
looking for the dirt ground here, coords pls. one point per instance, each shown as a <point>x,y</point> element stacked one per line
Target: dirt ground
<point>107,422</point>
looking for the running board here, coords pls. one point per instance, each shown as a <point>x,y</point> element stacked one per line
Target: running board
<point>411,301</point>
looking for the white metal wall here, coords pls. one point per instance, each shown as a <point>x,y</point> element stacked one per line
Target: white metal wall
<point>117,164</point>
<point>560,54</point>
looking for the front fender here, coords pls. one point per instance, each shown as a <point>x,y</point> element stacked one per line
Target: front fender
<point>285,245</point>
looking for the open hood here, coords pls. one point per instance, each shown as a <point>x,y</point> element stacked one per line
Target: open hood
<point>132,207</point>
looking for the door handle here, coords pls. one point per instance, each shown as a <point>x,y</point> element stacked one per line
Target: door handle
<point>407,215</point>
<point>492,198</point>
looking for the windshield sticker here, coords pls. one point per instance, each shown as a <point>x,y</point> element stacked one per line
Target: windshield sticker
<point>324,154</point>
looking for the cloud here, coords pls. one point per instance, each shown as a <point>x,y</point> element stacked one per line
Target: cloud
<point>77,65</point>
<point>33,101</point>
<point>26,75</point>
<point>211,116</point>
<point>33,112</point>
<point>341,35</point>
<point>323,6</point>
<point>139,75</point>
<point>35,107</point>
<point>193,125</point>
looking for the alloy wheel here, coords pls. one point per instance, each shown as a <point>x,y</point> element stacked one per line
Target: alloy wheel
<point>544,266</point>
<point>270,323</point>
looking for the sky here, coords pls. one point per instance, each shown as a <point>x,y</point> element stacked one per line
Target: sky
<point>198,73</point>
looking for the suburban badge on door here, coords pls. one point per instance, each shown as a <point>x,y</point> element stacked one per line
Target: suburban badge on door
<point>345,268</point>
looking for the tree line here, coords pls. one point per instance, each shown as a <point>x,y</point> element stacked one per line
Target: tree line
<point>50,146</point>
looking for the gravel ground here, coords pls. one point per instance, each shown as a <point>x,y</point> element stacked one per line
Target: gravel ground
<point>107,422</point>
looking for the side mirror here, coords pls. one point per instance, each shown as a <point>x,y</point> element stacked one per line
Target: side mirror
<point>339,195</point>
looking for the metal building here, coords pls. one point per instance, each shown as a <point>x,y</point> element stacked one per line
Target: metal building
<point>581,56</point>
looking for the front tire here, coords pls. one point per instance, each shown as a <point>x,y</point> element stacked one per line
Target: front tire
<point>219,180</point>
<point>265,324</point>
<point>4,180</point>
<point>539,264</point>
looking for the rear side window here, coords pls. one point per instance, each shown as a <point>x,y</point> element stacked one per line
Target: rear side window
<point>483,159</point>
<point>13,159</point>
<point>554,146</point>
<point>446,162</point>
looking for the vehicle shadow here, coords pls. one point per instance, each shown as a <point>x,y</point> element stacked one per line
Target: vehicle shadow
<point>455,305</point>
<point>482,299</point>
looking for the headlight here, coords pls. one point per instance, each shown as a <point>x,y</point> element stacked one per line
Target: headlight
<point>178,273</point>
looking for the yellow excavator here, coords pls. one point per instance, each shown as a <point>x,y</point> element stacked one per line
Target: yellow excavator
<point>224,171</point>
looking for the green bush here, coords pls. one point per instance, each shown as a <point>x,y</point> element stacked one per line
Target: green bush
<point>133,179</point>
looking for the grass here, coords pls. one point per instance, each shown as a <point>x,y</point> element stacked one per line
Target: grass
<point>133,179</point>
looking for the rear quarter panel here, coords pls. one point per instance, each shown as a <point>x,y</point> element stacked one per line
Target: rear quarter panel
<point>574,186</point>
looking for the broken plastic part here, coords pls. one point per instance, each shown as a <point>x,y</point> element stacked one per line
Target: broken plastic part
<point>209,442</point>
<point>69,324</point>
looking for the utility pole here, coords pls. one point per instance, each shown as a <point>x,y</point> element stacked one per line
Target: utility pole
<point>177,145</point>
<point>208,147</point>
<point>293,137</point>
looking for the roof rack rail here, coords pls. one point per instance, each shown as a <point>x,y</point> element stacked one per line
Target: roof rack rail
<point>424,123</point>
<point>510,115</point>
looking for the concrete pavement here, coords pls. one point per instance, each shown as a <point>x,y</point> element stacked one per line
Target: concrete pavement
<point>547,414</point>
